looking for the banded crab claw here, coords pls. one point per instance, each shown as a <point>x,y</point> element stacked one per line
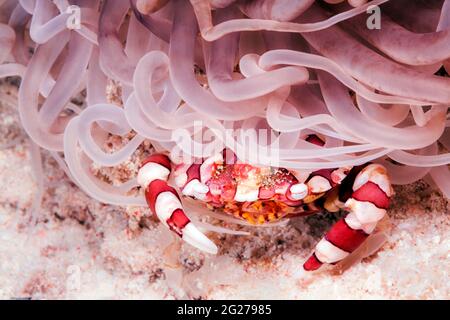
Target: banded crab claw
<point>165,202</point>
<point>370,192</point>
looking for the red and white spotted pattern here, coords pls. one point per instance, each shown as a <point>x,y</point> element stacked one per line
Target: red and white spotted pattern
<point>196,180</point>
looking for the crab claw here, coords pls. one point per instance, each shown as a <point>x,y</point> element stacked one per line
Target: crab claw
<point>196,189</point>
<point>298,191</point>
<point>200,191</point>
<point>165,203</point>
<point>196,238</point>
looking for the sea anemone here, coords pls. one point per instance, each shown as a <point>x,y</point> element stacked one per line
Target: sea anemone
<point>371,78</point>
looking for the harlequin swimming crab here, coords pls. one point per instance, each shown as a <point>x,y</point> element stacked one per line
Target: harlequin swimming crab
<point>264,194</point>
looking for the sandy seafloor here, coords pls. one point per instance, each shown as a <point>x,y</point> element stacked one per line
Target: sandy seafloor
<point>73,247</point>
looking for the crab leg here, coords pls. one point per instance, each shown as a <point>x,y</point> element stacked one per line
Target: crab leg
<point>192,179</point>
<point>165,202</point>
<point>367,205</point>
<point>318,182</point>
